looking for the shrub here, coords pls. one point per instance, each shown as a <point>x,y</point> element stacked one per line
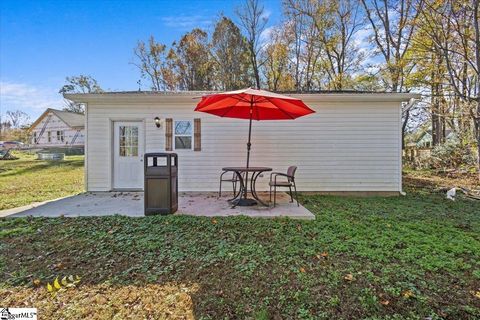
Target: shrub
<point>452,154</point>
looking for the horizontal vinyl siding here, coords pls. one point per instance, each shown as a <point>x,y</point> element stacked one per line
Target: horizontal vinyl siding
<point>98,149</point>
<point>342,147</point>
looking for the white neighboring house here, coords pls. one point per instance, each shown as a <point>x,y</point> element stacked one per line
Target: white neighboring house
<point>55,128</point>
<point>353,143</point>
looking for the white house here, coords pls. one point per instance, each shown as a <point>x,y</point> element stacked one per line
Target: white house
<point>55,128</point>
<point>351,144</point>
<point>424,138</point>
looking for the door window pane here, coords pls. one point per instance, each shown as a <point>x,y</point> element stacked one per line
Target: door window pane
<point>128,141</point>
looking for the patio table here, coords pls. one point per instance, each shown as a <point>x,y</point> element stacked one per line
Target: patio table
<point>241,198</point>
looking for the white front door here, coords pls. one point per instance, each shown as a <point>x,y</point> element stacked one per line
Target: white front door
<point>128,152</point>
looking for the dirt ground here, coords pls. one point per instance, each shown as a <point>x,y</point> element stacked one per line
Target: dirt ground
<point>440,181</point>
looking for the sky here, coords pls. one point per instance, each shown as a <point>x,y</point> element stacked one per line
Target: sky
<point>44,41</point>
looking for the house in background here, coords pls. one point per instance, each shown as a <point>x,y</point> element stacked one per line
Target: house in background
<point>419,144</point>
<point>57,128</point>
<point>353,143</point>
<point>424,138</point>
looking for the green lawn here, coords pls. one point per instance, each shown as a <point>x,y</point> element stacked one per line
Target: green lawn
<point>413,257</point>
<point>27,180</point>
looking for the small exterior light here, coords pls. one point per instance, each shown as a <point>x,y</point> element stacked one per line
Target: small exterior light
<point>157,122</point>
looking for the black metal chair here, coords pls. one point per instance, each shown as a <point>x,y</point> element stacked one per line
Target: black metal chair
<point>234,180</point>
<point>274,183</point>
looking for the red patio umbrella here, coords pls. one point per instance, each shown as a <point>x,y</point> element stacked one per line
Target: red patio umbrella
<point>253,104</point>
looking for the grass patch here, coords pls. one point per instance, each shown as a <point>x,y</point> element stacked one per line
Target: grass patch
<point>15,227</point>
<point>412,257</point>
<point>27,180</point>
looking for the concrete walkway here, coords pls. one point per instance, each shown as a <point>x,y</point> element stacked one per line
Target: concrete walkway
<point>131,204</point>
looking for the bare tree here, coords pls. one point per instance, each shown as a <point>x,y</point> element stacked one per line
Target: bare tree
<point>17,118</point>
<point>230,55</point>
<point>253,20</point>
<point>192,61</point>
<point>79,84</point>
<point>430,75</point>
<point>457,34</point>
<point>304,49</point>
<point>151,60</point>
<point>393,23</point>
<point>336,23</point>
<point>277,63</point>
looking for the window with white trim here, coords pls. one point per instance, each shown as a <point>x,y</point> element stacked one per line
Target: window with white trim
<point>183,134</point>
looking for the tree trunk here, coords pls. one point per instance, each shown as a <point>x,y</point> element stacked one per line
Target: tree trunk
<point>477,133</point>
<point>436,127</point>
<point>257,77</point>
<point>477,60</point>
<point>255,66</point>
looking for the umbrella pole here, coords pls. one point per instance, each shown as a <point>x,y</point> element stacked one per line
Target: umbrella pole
<point>249,145</point>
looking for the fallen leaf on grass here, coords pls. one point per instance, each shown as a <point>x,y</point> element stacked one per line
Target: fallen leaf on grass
<point>69,282</point>
<point>302,270</point>
<point>348,277</point>
<point>385,302</point>
<point>37,282</point>
<point>214,221</point>
<point>476,294</point>
<point>322,255</point>
<point>56,284</point>
<point>408,294</point>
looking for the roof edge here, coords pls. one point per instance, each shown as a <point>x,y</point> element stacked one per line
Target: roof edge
<point>56,112</point>
<point>194,96</point>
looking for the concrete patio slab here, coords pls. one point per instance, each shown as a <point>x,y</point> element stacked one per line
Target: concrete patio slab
<point>131,204</point>
<point>208,204</point>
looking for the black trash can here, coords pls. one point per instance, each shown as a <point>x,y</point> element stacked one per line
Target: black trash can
<point>161,183</point>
